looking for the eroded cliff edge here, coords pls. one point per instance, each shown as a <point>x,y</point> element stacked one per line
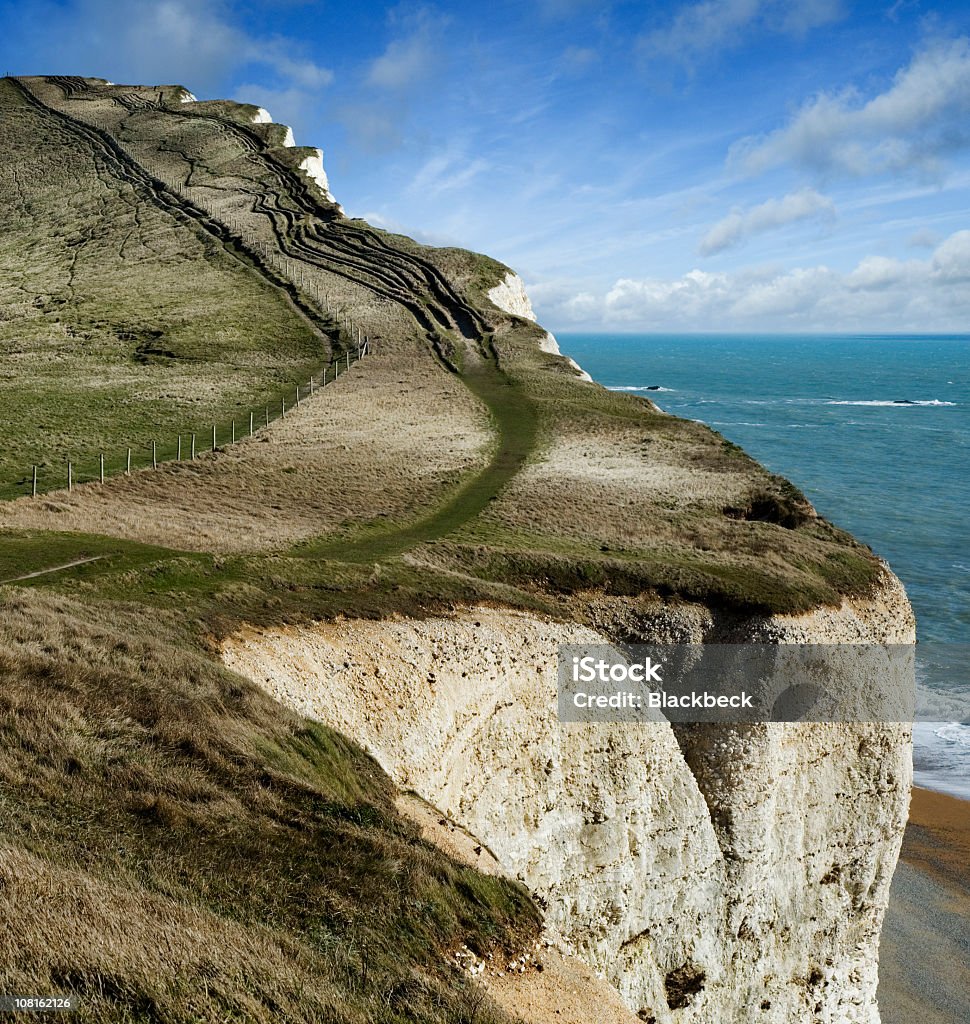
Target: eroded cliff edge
<point>719,874</point>
<point>479,502</point>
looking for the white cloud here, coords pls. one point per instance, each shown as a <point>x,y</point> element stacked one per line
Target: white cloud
<point>773,213</point>
<point>444,171</point>
<point>715,25</point>
<point>304,73</point>
<point>195,43</point>
<point>951,261</point>
<point>878,293</point>
<point>410,58</point>
<point>920,119</point>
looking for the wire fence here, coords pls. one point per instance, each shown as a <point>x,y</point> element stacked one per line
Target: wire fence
<point>279,267</point>
<point>186,446</point>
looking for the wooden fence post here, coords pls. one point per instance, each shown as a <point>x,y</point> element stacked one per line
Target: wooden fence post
<point>233,431</point>
<point>298,394</point>
<point>213,437</point>
<point>250,423</point>
<point>101,467</point>
<point>70,476</point>
<point>33,490</point>
<point>178,454</point>
<point>282,407</point>
<point>267,415</point>
<point>348,359</point>
<point>311,387</point>
<point>154,457</point>
<point>128,464</point>
<point>193,447</point>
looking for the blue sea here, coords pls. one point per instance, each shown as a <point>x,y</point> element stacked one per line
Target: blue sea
<point>875,430</point>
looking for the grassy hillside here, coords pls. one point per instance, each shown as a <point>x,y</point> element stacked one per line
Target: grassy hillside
<point>177,847</point>
<point>121,321</point>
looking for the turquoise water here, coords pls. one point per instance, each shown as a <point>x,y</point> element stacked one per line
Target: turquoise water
<point>827,412</point>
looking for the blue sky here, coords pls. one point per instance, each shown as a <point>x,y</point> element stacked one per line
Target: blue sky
<point>735,165</point>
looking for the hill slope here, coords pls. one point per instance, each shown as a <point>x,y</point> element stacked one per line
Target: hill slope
<point>186,264</point>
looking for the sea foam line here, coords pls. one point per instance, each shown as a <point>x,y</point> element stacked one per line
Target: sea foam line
<point>899,404</point>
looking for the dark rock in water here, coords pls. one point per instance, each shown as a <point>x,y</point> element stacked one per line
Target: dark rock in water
<point>654,387</point>
<point>902,401</point>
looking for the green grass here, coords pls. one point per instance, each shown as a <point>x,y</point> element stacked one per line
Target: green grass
<point>515,422</point>
<point>119,322</point>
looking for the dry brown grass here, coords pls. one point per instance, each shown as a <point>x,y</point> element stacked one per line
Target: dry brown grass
<point>381,444</point>
<point>177,847</point>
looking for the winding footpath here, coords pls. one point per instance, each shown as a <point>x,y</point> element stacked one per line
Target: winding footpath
<point>317,235</point>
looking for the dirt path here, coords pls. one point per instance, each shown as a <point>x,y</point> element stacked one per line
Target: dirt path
<point>53,568</point>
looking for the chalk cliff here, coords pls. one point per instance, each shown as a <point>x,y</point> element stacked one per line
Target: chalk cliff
<point>712,874</point>
<point>511,297</point>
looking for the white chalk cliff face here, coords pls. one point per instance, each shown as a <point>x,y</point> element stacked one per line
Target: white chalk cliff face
<point>313,167</point>
<point>510,295</point>
<point>714,875</point>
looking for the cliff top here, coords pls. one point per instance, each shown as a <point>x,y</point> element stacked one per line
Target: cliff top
<point>170,265</point>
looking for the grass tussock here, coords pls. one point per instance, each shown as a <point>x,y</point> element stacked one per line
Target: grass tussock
<point>178,848</point>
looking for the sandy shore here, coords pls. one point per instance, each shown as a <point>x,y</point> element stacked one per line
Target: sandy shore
<point>924,972</point>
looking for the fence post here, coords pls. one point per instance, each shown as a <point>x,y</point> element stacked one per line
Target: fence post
<point>348,359</point>
<point>154,457</point>
<point>193,447</point>
<point>233,431</point>
<point>250,423</point>
<point>282,407</point>
<point>311,387</point>
<point>178,454</point>
<point>33,490</point>
<point>213,437</point>
<point>267,415</point>
<point>102,467</point>
<point>128,464</point>
<point>70,476</point>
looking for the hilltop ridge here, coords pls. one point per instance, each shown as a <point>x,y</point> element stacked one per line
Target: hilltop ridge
<point>446,510</point>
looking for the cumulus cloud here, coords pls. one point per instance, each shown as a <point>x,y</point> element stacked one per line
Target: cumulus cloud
<point>951,261</point>
<point>740,225</point>
<point>879,292</point>
<point>920,119</point>
<point>697,30</point>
